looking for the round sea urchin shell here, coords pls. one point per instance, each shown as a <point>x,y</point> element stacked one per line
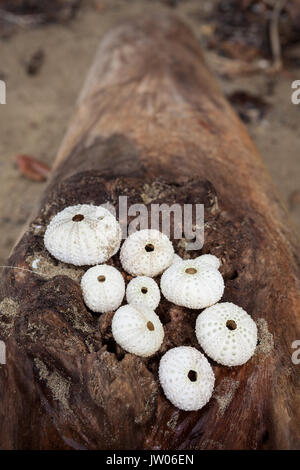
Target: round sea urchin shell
<point>143,290</point>
<point>146,253</point>
<point>227,334</point>
<point>83,235</point>
<point>103,288</point>
<point>138,330</point>
<point>192,284</point>
<point>186,377</point>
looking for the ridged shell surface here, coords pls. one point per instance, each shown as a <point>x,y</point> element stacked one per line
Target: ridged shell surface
<point>138,330</point>
<point>103,288</point>
<point>210,260</point>
<point>144,291</point>
<point>83,235</point>
<point>192,284</point>
<point>186,377</point>
<point>227,334</point>
<point>146,253</point>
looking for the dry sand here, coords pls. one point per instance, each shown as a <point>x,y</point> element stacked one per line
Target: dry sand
<point>39,107</point>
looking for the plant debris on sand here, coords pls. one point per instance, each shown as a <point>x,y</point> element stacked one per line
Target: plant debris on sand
<point>28,13</point>
<point>243,29</point>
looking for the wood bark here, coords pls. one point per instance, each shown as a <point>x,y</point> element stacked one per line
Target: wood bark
<point>151,123</point>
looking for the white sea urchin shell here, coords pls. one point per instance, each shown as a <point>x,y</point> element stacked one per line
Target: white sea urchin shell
<point>138,330</point>
<point>192,284</point>
<point>83,235</point>
<point>143,290</point>
<point>103,288</point>
<point>227,334</point>
<point>146,253</point>
<point>186,377</point>
<point>176,259</point>
<point>210,260</point>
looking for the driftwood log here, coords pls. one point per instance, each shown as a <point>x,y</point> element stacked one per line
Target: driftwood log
<point>152,124</point>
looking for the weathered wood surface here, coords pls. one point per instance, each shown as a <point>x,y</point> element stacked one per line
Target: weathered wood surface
<point>152,124</point>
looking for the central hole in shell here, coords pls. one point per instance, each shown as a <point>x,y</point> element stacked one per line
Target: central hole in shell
<point>144,290</point>
<point>191,270</point>
<point>149,247</point>
<point>231,325</point>
<point>192,375</point>
<point>150,326</point>
<point>78,218</point>
<point>101,278</point>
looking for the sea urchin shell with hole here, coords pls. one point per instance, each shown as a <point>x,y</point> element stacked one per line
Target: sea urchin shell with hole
<point>186,377</point>
<point>83,235</point>
<point>103,288</point>
<point>146,253</point>
<point>227,334</point>
<point>143,290</point>
<point>138,330</point>
<point>192,284</point>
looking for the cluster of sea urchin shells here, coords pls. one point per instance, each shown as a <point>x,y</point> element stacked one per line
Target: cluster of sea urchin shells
<point>90,235</point>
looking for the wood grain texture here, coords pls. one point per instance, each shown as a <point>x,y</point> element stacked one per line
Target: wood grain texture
<point>152,124</point>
